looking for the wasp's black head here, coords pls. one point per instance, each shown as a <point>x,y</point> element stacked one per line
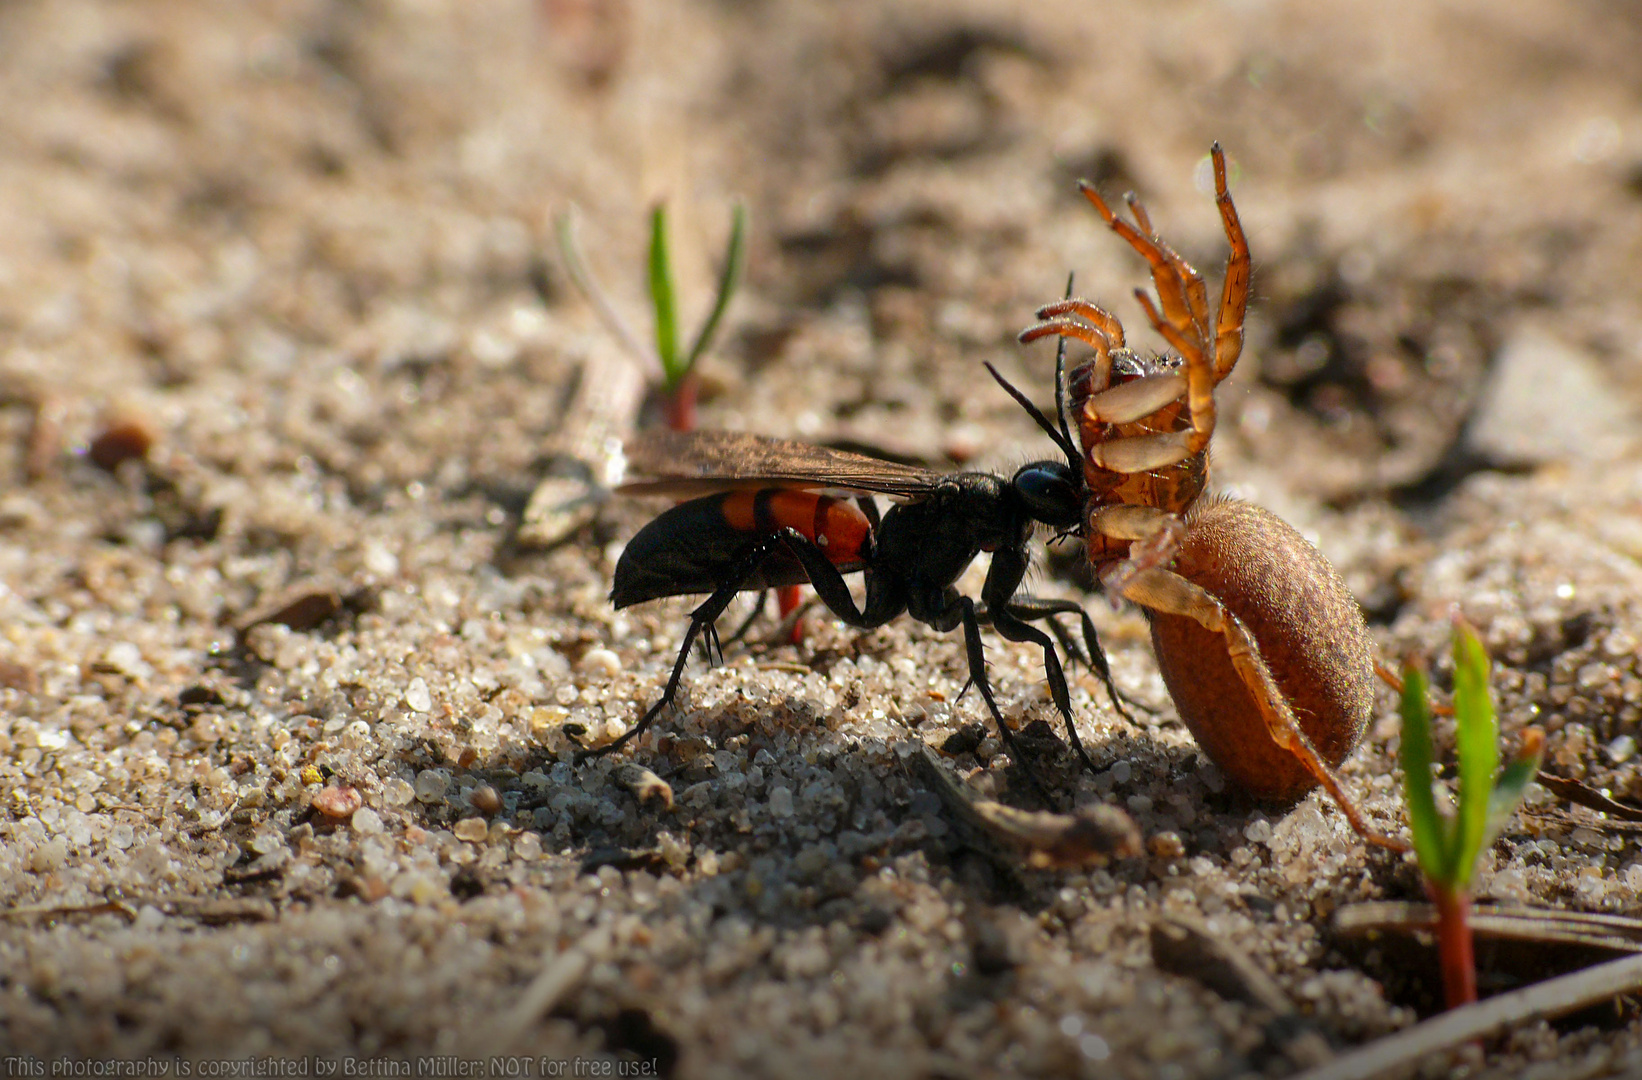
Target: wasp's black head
<point>1051,492</point>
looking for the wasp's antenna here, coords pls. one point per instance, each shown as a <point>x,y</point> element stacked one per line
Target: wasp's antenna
<point>1062,440</point>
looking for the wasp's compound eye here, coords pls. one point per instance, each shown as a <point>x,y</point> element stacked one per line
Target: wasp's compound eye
<point>1050,494</point>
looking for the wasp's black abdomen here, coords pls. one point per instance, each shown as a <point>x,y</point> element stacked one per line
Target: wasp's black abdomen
<point>687,549</point>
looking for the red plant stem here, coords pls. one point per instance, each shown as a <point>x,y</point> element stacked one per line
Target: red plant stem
<point>787,599</point>
<point>679,404</point>
<point>1459,967</point>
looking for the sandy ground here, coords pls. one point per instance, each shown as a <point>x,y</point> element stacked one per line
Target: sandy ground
<point>306,248</point>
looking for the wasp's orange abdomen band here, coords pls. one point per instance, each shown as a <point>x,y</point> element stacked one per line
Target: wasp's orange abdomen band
<point>838,527</point>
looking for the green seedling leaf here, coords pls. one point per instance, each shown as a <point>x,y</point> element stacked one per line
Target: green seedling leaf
<point>1447,845</point>
<point>665,357</point>
<point>1513,782</point>
<point>1430,827</point>
<point>662,299</point>
<point>1477,743</point>
<point>735,256</point>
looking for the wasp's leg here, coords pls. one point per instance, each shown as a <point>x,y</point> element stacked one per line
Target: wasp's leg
<point>1090,652</point>
<point>759,605</point>
<point>976,655</point>
<point>885,600</point>
<point>1034,610</point>
<point>1003,577</point>
<point>702,622</point>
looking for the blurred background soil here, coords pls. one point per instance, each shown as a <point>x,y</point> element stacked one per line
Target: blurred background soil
<point>285,346</point>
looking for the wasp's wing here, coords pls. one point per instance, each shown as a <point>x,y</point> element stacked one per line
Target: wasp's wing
<point>686,464</point>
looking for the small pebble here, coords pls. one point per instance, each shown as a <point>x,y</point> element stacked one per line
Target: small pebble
<point>676,853</point>
<point>485,799</point>
<point>380,561</point>
<point>396,792</point>
<point>1167,845</point>
<point>431,785</point>
<point>125,439</point>
<point>265,841</point>
<point>366,821</point>
<point>50,855</point>
<point>645,785</point>
<point>781,802</point>
<point>473,829</point>
<point>545,719</point>
<point>600,662</point>
<point>417,697</point>
<point>426,891</point>
<point>338,801</point>
<point>127,659</point>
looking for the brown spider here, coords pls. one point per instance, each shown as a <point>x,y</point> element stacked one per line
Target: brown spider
<point>1262,647</point>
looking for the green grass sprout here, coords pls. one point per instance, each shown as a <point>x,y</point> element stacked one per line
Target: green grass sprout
<point>662,301</point>
<point>675,368</point>
<point>1448,840</point>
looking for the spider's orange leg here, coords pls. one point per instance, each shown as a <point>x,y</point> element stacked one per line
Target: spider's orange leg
<point>1165,591</point>
<point>1171,333</point>
<point>1185,276</point>
<point>1170,273</point>
<point>1083,309</point>
<point>1076,329</point>
<point>1234,293</point>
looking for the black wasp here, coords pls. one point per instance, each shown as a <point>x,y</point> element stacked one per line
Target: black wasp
<point>762,514</point>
